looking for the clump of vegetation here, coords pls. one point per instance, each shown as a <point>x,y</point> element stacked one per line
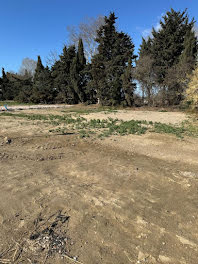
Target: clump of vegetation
<point>107,127</point>
<point>169,129</point>
<point>164,63</point>
<point>192,90</point>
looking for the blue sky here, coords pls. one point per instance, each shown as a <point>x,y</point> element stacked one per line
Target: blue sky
<point>34,27</point>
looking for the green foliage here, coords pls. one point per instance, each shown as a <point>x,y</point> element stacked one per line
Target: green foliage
<point>190,51</point>
<point>6,87</point>
<point>114,50</point>
<point>69,75</point>
<point>42,91</point>
<point>165,61</point>
<point>168,129</point>
<point>191,95</point>
<point>61,77</point>
<point>171,45</point>
<point>127,84</point>
<point>72,123</point>
<point>76,73</point>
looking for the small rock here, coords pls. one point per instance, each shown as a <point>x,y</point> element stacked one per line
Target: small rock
<point>7,140</point>
<point>142,256</point>
<point>164,259</point>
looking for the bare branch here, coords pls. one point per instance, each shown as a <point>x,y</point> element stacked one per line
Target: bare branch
<point>27,65</point>
<point>87,30</point>
<point>52,58</point>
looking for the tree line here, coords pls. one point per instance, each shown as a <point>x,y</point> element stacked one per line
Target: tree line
<point>114,74</point>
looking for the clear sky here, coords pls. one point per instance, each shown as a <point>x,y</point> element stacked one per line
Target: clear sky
<point>34,27</point>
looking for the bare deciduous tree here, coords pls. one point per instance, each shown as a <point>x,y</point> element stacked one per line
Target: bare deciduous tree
<point>52,58</point>
<point>144,74</point>
<point>27,66</point>
<point>86,30</point>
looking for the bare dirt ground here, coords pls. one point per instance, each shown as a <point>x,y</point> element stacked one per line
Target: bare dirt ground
<point>121,200</point>
<point>126,115</point>
<point>26,107</point>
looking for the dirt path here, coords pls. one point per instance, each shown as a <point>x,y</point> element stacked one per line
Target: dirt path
<point>28,107</point>
<point>129,199</point>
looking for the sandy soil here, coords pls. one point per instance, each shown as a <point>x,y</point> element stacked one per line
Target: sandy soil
<point>126,115</point>
<point>130,199</point>
<point>27,107</point>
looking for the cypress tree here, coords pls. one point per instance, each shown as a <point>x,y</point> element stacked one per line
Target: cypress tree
<point>25,90</point>
<point>90,88</point>
<point>145,47</point>
<point>189,53</point>
<point>6,87</point>
<point>81,54</point>
<point>114,50</point>
<point>167,47</point>
<point>43,91</point>
<point>77,73</point>
<point>127,84</point>
<point>62,79</point>
<point>1,95</point>
<point>178,75</point>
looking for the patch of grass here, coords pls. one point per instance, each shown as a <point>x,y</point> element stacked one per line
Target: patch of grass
<point>28,116</point>
<point>86,111</point>
<point>59,130</point>
<point>127,128</point>
<point>107,127</point>
<point>190,127</point>
<point>163,111</point>
<point>169,129</point>
<point>84,133</point>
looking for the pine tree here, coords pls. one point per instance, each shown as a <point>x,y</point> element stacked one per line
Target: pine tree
<point>114,50</point>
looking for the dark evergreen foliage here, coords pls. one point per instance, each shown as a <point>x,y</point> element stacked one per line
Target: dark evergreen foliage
<point>145,47</point>
<point>168,45</point>
<point>114,50</point>
<point>128,86</point>
<point>43,91</point>
<point>77,73</point>
<point>189,54</point>
<point>61,77</point>
<point>6,87</point>
<point>165,60</point>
